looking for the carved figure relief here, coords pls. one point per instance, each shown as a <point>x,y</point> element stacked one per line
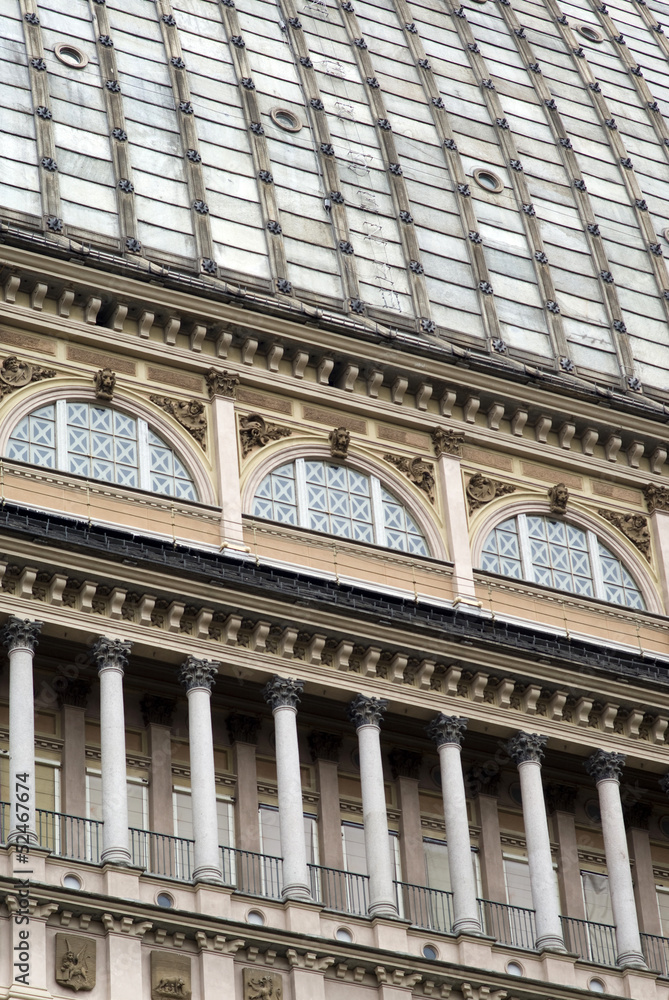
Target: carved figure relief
<point>170,976</point>
<point>418,471</point>
<point>105,383</point>
<point>447,442</point>
<point>256,432</point>
<point>481,490</point>
<point>15,373</point>
<point>260,985</point>
<point>558,496</point>
<point>340,440</point>
<point>187,412</point>
<point>75,962</point>
<point>633,526</point>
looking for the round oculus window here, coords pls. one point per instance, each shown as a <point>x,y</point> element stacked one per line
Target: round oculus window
<point>71,881</point>
<point>515,792</point>
<point>344,934</point>
<point>429,951</point>
<point>285,119</point>
<point>587,31</point>
<point>255,917</point>
<point>165,900</point>
<point>592,811</point>
<point>71,55</point>
<point>514,969</point>
<point>488,180</point>
<point>596,986</point>
<point>664,826</point>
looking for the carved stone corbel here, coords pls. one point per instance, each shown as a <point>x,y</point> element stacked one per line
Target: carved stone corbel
<point>105,383</point>
<point>417,471</point>
<point>558,496</point>
<point>633,526</point>
<point>256,432</point>
<point>187,412</point>
<point>221,383</point>
<point>657,497</point>
<point>481,490</point>
<point>340,440</point>
<point>447,441</point>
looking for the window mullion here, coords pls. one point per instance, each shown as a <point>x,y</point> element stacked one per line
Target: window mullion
<point>596,566</point>
<point>525,548</point>
<point>143,455</point>
<point>378,517</point>
<point>61,435</point>
<point>301,494</point>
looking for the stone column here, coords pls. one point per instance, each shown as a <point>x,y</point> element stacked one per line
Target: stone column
<point>283,694</point>
<point>20,638</point>
<point>73,701</point>
<point>366,715</point>
<point>325,749</point>
<point>405,768</point>
<point>197,676</point>
<point>448,731</point>
<point>243,732</point>
<point>560,803</point>
<point>111,657</point>
<point>637,820</point>
<point>527,750</point>
<point>483,784</point>
<point>222,386</point>
<point>606,768</point>
<point>448,449</point>
<point>158,714</point>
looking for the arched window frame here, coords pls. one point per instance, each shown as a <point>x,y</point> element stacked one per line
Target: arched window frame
<point>163,425</point>
<point>409,496</point>
<point>622,550</point>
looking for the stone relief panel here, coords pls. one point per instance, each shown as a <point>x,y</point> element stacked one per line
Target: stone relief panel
<point>262,985</point>
<point>75,962</point>
<point>170,976</point>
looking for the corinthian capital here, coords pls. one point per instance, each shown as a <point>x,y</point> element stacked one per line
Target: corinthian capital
<point>21,633</point>
<point>194,673</point>
<point>526,746</point>
<point>283,692</point>
<point>603,765</point>
<point>364,711</point>
<point>110,653</point>
<point>447,729</point>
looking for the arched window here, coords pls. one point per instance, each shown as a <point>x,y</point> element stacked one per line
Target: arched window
<point>340,501</point>
<point>101,443</point>
<point>560,555</point>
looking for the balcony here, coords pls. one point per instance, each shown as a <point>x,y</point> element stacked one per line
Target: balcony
<point>261,875</point>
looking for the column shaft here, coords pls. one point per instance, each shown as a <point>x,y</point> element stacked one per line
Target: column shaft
<point>460,865</point>
<point>114,776</point>
<point>291,809</point>
<point>542,877</point>
<point>21,746</point>
<point>620,875</point>
<point>207,863</point>
<point>375,817</point>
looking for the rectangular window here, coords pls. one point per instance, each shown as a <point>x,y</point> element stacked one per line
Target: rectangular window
<point>663,907</point>
<point>518,887</point>
<point>597,897</point>
<point>437,874</point>
<point>270,838</point>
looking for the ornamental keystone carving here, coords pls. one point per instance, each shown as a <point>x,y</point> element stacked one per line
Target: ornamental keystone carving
<point>105,383</point>
<point>481,490</point>
<point>526,746</point>
<point>110,653</point>
<point>243,728</point>
<point>194,673</point>
<point>75,962</point>
<point>157,711</point>
<point>447,441</point>
<point>364,711</point>
<point>221,383</point>
<point>604,765</point>
<point>170,976</point>
<point>417,471</point>
<point>558,497</point>
<point>405,763</point>
<point>283,692</point>
<point>256,432</point>
<point>340,439</point>
<point>21,633</point>
<point>324,746</point>
<point>447,729</point>
<point>261,985</point>
<point>657,497</point>
<point>15,373</point>
<point>633,526</point>
<point>187,412</point>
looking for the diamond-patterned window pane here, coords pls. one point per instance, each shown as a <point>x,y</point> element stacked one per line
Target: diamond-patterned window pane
<point>560,558</point>
<point>339,502</point>
<point>101,443</point>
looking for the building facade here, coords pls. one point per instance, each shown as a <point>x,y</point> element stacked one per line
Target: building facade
<point>334,521</point>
